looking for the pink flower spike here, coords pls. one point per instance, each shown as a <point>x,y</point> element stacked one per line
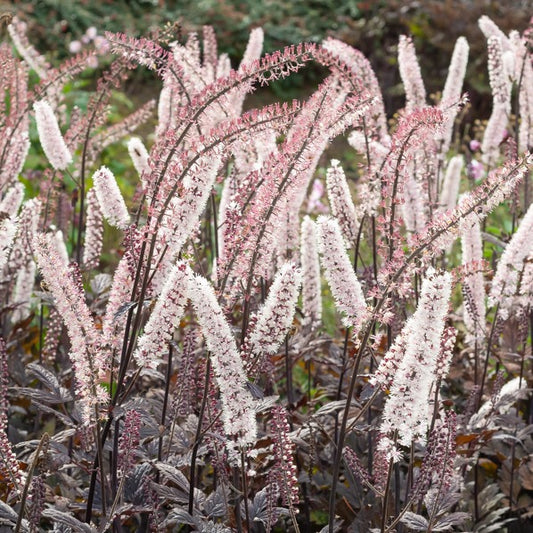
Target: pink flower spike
<point>340,200</point>
<point>311,287</point>
<point>508,275</point>
<point>138,154</point>
<point>345,286</point>
<point>165,317</point>
<point>274,319</point>
<point>474,145</point>
<point>415,92</point>
<point>110,198</point>
<point>52,141</point>
<point>473,287</point>
<point>238,412</point>
<point>408,408</point>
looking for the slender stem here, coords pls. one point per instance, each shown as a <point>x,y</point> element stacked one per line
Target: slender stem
<point>245,489</point>
<point>386,498</point>
<point>487,355</point>
<point>198,437</point>
<point>100,453</point>
<point>43,444</point>
<point>165,400</point>
<point>288,374</point>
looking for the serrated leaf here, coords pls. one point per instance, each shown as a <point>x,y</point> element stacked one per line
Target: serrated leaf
<point>68,520</point>
<point>100,283</point>
<point>330,407</point>
<point>123,309</point>
<point>447,522</point>
<point>264,404</point>
<point>415,521</point>
<point>174,475</point>
<point>44,396</point>
<point>8,513</point>
<point>45,376</point>
<point>182,517</point>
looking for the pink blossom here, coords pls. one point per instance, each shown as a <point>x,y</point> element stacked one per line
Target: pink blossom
<point>110,198</point>
<point>101,44</point>
<point>237,403</point>
<point>94,231</point>
<point>36,61</point>
<point>139,155</point>
<point>343,282</point>
<point>311,288</point>
<point>274,318</point>
<point>451,93</point>
<point>475,169</point>
<point>474,287</point>
<point>119,294</point>
<point>284,474</point>
<point>474,145</point>
<point>340,200</point>
<point>75,47</point>
<point>91,32</point>
<point>314,203</point>
<point>12,199</point>
<point>415,92</point>
<point>52,141</point>
<point>128,442</point>
<point>164,319</point>
<point>510,266</point>
<point>451,182</point>
<point>88,360</point>
<point>408,408</point>
<point>92,61</point>
<point>8,229</point>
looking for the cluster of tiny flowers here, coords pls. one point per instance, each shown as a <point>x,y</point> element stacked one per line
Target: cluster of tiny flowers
<point>311,287</point>
<point>87,360</point>
<point>139,155</point>
<point>438,462</point>
<point>12,199</point>
<point>407,409</point>
<point>164,319</point>
<point>142,51</point>
<point>37,503</point>
<point>52,141</point>
<point>285,470</point>
<point>505,283</point>
<point>415,91</point>
<point>129,441</point>
<point>452,90</point>
<point>476,204</point>
<point>499,404</point>
<point>9,466</point>
<point>237,403</point>
<point>444,359</point>
<point>451,182</point>
<point>119,293</point>
<point>274,319</point>
<point>37,62</point>
<point>381,461</point>
<point>94,232</point>
<point>501,90</point>
<point>110,198</point>
<point>8,230</point>
<point>360,65</point>
<point>345,286</point>
<point>386,371</point>
<point>355,465</point>
<point>340,200</point>
<point>472,251</point>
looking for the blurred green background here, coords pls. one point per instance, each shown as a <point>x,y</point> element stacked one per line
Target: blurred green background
<point>371,26</point>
